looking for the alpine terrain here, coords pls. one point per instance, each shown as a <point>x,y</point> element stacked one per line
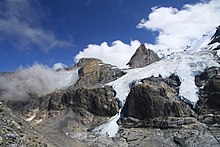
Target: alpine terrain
<point>164,98</point>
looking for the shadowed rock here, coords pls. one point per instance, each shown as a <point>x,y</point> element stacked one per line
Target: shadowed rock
<point>209,81</point>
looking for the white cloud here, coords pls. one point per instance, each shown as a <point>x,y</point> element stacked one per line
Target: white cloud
<point>117,54</point>
<point>21,21</point>
<point>57,66</point>
<point>37,79</point>
<point>178,28</point>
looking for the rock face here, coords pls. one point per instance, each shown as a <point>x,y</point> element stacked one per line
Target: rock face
<point>154,98</point>
<point>204,77</point>
<point>142,57</point>
<point>98,101</point>
<point>94,72</point>
<point>212,88</point>
<point>216,37</point>
<point>208,106</point>
<point>155,117</point>
<point>84,61</point>
<point>210,93</point>
<point>89,74</point>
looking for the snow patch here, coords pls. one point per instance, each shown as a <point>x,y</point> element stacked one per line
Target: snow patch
<point>109,128</point>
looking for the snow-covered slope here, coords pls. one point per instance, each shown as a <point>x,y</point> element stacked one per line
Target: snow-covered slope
<point>185,64</point>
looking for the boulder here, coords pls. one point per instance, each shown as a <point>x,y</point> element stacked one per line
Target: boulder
<point>154,98</point>
<point>142,57</point>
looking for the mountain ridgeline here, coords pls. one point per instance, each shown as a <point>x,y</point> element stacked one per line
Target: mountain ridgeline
<point>170,101</point>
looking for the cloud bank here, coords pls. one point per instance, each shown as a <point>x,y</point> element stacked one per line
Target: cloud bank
<point>37,79</point>
<point>177,29</point>
<point>117,54</point>
<point>20,21</point>
<point>58,66</point>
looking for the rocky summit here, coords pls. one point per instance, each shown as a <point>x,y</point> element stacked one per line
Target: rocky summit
<point>142,57</point>
<point>173,101</point>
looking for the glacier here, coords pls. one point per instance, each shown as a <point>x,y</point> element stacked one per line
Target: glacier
<point>186,64</point>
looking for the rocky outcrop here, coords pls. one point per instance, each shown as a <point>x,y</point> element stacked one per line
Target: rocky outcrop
<point>84,61</point>
<point>154,116</point>
<point>80,109</point>
<point>154,98</point>
<point>204,77</point>
<point>98,101</point>
<point>142,57</point>
<point>94,72</point>
<point>212,88</point>
<point>216,37</point>
<point>89,74</point>
<point>208,106</point>
<point>209,83</point>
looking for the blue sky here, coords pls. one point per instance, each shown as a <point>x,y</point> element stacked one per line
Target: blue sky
<point>51,31</point>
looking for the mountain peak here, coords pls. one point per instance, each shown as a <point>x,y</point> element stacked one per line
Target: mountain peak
<point>142,57</point>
